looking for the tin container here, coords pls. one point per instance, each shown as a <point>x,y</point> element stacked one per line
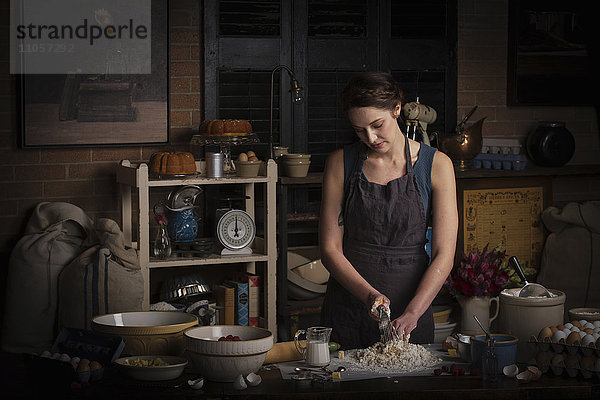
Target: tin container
<point>214,165</point>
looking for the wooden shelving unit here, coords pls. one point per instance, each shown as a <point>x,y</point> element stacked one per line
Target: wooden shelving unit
<point>135,178</point>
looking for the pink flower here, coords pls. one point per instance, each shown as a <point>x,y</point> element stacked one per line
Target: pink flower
<point>478,274</point>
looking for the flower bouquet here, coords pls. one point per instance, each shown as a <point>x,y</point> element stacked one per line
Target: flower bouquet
<point>479,274</point>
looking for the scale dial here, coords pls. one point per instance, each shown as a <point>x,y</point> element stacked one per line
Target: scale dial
<point>236,229</point>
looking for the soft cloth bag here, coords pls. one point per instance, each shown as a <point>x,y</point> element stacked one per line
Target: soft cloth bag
<point>106,278</point>
<point>55,234</point>
<point>571,254</point>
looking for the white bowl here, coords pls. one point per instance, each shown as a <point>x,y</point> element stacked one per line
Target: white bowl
<point>152,373</point>
<point>313,271</point>
<point>442,331</point>
<point>295,260</point>
<point>223,361</point>
<point>302,289</point>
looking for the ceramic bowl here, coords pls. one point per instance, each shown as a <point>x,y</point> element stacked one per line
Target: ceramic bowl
<point>313,271</point>
<point>442,331</point>
<point>147,332</point>
<point>588,314</point>
<point>296,168</point>
<point>441,314</point>
<point>247,169</point>
<point>130,366</point>
<point>505,347</point>
<point>223,361</point>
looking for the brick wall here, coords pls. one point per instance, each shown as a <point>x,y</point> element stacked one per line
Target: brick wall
<point>86,176</point>
<point>482,80</point>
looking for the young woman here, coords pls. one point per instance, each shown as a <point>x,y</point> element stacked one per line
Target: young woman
<point>379,196</point>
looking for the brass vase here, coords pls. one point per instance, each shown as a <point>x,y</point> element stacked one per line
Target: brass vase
<point>464,145</point>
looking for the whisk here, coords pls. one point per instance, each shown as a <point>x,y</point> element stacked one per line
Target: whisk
<point>385,328</point>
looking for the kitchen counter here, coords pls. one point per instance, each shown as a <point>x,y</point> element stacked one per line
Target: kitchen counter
<point>447,387</point>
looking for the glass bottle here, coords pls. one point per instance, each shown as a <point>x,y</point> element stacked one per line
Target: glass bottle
<point>489,363</point>
<point>162,243</point>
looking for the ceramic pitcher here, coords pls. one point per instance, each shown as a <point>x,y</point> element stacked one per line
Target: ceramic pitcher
<point>479,306</point>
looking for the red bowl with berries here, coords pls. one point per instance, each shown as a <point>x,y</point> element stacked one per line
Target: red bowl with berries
<point>221,353</point>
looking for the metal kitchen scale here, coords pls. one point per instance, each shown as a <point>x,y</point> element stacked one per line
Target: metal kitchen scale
<point>235,229</point>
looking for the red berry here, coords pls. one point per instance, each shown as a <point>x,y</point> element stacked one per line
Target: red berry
<point>444,368</point>
<point>437,371</point>
<point>453,367</point>
<point>474,372</point>
<point>222,338</point>
<point>236,338</point>
<point>229,337</point>
<point>455,372</point>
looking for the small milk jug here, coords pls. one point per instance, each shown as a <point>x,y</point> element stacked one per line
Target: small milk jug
<point>316,351</point>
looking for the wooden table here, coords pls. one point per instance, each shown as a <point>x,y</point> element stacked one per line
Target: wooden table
<point>17,384</point>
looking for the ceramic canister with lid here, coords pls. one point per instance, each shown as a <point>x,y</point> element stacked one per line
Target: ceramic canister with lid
<point>526,316</point>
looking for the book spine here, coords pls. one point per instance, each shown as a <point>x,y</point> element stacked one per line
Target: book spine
<point>241,302</point>
<point>253,303</point>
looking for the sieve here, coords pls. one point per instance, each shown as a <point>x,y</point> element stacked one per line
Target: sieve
<point>530,289</point>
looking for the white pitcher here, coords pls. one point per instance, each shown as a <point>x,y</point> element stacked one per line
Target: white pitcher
<point>479,306</point>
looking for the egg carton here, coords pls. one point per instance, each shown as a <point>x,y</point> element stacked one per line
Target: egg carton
<point>515,162</point>
<point>563,347</point>
<point>572,365</point>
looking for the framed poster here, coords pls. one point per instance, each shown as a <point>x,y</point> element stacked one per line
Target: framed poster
<point>505,212</point>
<point>115,107</point>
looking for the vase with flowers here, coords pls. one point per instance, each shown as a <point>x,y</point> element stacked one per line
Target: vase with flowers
<point>476,282</point>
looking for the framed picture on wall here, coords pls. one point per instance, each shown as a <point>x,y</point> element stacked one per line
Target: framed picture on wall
<point>115,107</point>
<point>549,53</point>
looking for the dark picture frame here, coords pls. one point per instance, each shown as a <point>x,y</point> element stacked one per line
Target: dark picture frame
<point>78,110</point>
<point>549,53</point>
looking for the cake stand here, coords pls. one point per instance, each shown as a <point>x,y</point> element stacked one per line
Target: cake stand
<point>225,143</point>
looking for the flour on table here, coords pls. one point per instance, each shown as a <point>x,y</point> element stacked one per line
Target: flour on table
<point>394,356</point>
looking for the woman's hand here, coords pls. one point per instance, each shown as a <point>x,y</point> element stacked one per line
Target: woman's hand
<point>374,301</point>
<point>404,325</point>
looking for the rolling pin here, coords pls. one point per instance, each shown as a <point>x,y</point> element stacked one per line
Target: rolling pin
<point>286,351</point>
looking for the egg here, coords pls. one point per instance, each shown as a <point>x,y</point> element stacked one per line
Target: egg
<point>524,376</point>
<point>511,370</point>
<point>250,153</point>
<point>545,334</point>
<point>598,343</point>
<point>64,357</point>
<point>55,356</point>
<point>553,329</point>
<point>587,340</point>
<point>583,322</point>
<point>253,379</point>
<point>252,158</point>
<point>576,323</point>
<point>568,325</point>
<point>242,157</point>
<point>596,335</point>
<point>596,324</point>
<point>239,383</point>
<point>535,372</point>
<point>588,330</point>
<point>572,361</point>
<point>588,325</point>
<point>560,327</point>
<point>76,359</point>
<point>46,354</point>
<point>575,329</point>
<point>83,366</point>
<point>558,360</point>
<point>586,362</point>
<point>558,336</point>
<point>573,338</point>
<point>566,331</point>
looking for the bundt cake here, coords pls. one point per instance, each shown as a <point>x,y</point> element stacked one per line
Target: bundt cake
<point>172,163</point>
<point>225,127</point>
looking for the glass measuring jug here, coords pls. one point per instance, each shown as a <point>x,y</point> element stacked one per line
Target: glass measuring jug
<point>316,351</point>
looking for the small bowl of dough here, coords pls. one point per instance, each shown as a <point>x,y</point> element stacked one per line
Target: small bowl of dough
<point>152,368</point>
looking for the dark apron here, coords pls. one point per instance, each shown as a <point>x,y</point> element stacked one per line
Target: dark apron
<point>384,239</point>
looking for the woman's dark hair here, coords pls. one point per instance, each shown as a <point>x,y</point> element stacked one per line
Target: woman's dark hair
<point>371,89</point>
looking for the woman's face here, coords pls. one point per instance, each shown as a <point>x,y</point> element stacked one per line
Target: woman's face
<point>375,127</point>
